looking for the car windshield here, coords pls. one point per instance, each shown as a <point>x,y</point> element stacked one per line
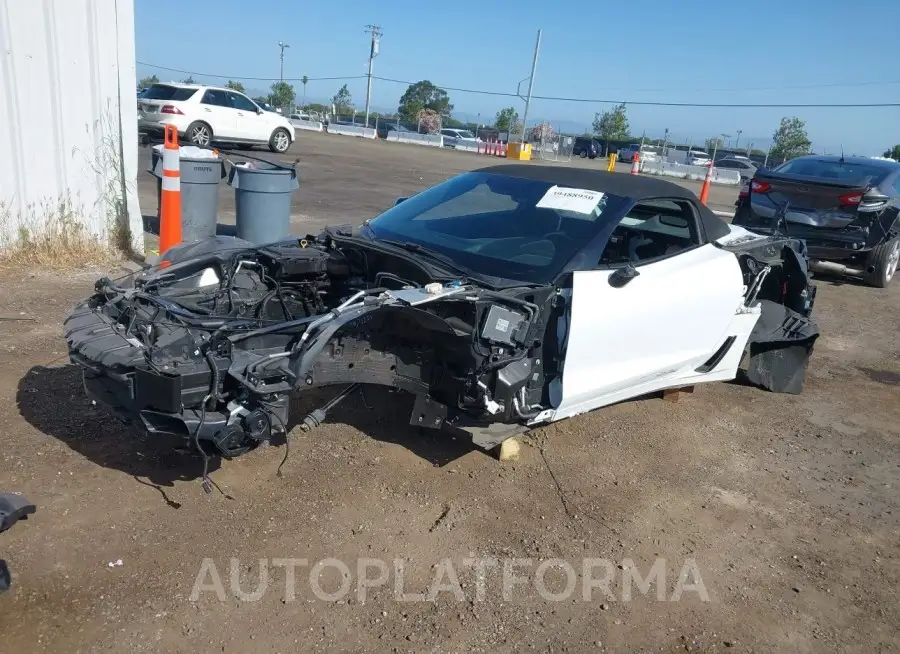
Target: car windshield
<point>465,134</point>
<point>845,172</point>
<point>499,226</point>
<point>166,92</point>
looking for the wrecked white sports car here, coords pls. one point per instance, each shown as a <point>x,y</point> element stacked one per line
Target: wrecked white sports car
<point>503,298</point>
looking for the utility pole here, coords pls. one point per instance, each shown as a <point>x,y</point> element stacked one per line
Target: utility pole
<point>537,47</point>
<point>738,139</point>
<point>282,45</point>
<point>375,31</point>
<point>724,142</point>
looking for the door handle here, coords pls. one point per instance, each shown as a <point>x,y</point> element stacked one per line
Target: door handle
<point>240,113</point>
<point>206,109</point>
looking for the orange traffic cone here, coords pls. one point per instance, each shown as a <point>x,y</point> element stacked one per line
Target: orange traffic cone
<point>170,198</point>
<point>704,191</point>
<point>635,163</point>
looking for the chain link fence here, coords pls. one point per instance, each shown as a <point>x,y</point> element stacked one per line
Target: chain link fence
<point>549,145</point>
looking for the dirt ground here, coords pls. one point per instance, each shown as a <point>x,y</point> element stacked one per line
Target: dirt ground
<point>783,509</point>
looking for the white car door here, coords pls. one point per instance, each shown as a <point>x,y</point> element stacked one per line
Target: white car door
<point>253,124</point>
<point>654,330</point>
<point>215,110</point>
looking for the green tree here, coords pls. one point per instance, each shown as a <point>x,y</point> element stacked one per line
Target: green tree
<point>282,95</point>
<point>317,108</point>
<point>506,119</point>
<point>188,80</point>
<point>303,81</point>
<point>893,153</point>
<point>612,125</point>
<point>235,86</point>
<point>342,100</point>
<point>714,143</point>
<point>424,95</point>
<point>790,139</point>
<point>148,81</point>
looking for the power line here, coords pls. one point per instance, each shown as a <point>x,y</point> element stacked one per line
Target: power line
<point>753,88</point>
<point>656,104</point>
<point>253,79</point>
<point>648,103</point>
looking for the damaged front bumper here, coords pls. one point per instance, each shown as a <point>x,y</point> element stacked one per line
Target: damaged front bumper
<point>224,393</point>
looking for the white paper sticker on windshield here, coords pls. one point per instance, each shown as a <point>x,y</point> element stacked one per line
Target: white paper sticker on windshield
<point>578,200</point>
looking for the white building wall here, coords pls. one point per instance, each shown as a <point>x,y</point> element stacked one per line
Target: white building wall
<point>68,114</point>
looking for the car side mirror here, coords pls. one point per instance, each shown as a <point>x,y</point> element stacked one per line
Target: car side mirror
<point>399,200</point>
<point>623,275</point>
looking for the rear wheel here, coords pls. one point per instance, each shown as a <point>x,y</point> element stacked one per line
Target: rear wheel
<point>199,133</point>
<point>884,259</point>
<point>583,154</point>
<point>280,141</point>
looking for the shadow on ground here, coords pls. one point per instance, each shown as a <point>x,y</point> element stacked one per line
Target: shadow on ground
<point>52,400</point>
<point>383,414</point>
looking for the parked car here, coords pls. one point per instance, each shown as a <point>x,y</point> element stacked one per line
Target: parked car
<point>845,208</point>
<point>502,299</point>
<point>647,152</point>
<point>206,115</point>
<point>585,147</point>
<point>743,165</point>
<point>697,158</point>
<point>453,135</point>
<point>385,128</point>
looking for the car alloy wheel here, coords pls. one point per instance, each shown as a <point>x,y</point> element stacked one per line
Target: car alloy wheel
<point>282,141</point>
<point>893,260</point>
<point>199,135</point>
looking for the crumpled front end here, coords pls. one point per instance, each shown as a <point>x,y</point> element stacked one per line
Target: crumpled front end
<point>210,348</point>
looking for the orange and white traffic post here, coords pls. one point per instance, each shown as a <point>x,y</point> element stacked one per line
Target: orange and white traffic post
<point>170,198</point>
<point>635,163</point>
<point>704,190</point>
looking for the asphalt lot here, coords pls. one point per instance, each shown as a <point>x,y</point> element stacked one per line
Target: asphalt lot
<point>346,180</point>
<point>786,506</point>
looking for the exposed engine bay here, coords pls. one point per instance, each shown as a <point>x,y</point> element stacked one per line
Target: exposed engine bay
<point>210,347</point>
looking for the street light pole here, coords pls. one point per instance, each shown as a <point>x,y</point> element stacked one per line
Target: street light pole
<point>282,45</point>
<point>738,139</point>
<point>375,31</point>
<point>537,47</point>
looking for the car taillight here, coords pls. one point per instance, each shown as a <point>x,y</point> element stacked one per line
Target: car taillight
<point>171,109</point>
<point>759,187</point>
<point>850,199</point>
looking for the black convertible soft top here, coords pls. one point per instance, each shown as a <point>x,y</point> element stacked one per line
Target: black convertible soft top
<point>636,187</point>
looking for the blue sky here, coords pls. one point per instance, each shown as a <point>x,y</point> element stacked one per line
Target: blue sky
<point>765,51</point>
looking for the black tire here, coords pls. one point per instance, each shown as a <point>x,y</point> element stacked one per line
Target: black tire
<point>583,154</point>
<point>884,259</point>
<point>280,141</point>
<point>199,133</point>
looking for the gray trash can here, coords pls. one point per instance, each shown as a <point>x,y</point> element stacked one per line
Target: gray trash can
<point>262,198</point>
<point>199,194</point>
